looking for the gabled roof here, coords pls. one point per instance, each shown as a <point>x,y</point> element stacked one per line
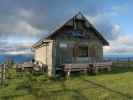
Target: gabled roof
<point>79,16</point>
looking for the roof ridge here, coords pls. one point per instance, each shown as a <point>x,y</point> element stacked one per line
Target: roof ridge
<point>67,20</point>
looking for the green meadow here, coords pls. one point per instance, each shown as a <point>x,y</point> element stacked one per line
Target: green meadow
<point>114,85</point>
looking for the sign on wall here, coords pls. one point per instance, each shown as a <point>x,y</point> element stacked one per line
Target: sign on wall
<point>63,45</point>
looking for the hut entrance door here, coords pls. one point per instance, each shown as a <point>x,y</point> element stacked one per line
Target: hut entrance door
<point>92,51</point>
<point>75,51</point>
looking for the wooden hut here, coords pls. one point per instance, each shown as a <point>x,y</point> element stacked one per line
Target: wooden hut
<point>76,41</point>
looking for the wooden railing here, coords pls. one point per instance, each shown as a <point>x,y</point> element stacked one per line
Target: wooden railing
<point>121,61</point>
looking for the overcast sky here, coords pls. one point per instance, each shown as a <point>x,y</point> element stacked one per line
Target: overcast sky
<point>23,22</point>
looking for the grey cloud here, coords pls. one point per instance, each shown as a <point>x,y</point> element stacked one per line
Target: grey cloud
<point>122,50</point>
<point>35,18</point>
<point>103,24</point>
<point>14,48</point>
<point>46,13</point>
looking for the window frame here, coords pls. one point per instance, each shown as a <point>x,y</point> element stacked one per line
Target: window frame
<point>83,51</point>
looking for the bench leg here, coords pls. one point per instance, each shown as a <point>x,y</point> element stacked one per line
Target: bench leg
<point>68,74</point>
<point>109,68</point>
<point>96,70</point>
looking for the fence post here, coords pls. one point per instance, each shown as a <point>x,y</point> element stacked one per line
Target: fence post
<point>2,74</point>
<point>1,78</point>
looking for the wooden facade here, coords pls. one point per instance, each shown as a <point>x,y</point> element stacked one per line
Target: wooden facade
<point>76,41</point>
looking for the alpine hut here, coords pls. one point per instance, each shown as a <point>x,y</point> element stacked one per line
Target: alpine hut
<point>77,41</point>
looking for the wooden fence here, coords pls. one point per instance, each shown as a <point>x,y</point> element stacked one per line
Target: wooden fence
<point>122,61</point>
<point>2,74</point>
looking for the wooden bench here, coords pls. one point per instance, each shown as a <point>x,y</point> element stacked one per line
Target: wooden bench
<point>75,67</point>
<point>91,67</point>
<point>68,68</point>
<point>31,67</point>
<point>101,65</point>
<point>26,66</point>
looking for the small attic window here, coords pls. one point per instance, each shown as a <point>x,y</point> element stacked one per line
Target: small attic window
<point>79,17</point>
<point>77,33</point>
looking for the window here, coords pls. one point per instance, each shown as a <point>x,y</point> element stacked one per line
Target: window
<point>83,51</point>
<point>80,51</point>
<point>77,33</point>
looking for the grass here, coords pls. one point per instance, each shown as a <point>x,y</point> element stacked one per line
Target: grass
<point>114,85</point>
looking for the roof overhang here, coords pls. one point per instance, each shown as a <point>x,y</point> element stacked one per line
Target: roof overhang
<point>40,43</point>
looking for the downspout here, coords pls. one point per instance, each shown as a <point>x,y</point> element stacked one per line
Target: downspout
<point>46,55</point>
<point>54,57</point>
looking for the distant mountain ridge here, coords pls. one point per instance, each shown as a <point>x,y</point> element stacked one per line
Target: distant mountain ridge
<point>118,57</point>
<point>16,58</point>
<point>24,58</point>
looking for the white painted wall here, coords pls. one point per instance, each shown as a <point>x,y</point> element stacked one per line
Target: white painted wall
<point>44,54</point>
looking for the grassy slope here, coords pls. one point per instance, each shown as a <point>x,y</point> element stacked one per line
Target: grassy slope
<point>115,85</point>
